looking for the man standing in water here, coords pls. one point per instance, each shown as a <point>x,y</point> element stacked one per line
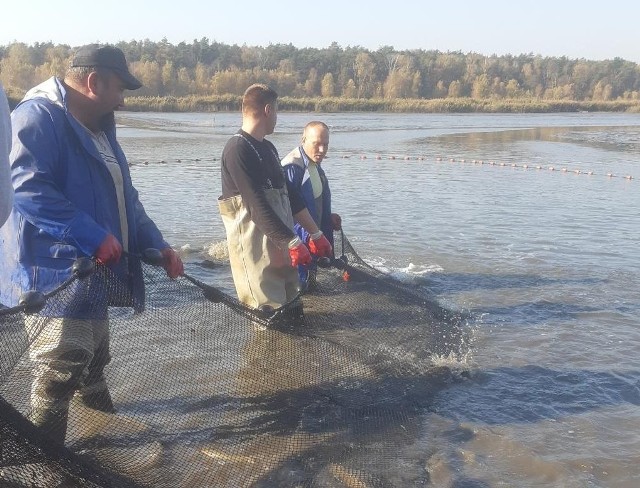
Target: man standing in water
<point>73,198</point>
<point>257,211</point>
<point>307,178</point>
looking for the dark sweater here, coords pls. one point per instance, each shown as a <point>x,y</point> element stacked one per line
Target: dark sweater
<point>247,174</point>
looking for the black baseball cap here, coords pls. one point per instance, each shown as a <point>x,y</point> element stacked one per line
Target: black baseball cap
<point>95,55</point>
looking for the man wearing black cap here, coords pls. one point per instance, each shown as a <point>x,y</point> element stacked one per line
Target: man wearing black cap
<point>74,197</point>
<point>106,57</point>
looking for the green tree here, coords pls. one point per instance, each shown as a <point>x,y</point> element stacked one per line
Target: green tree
<point>17,67</point>
<point>55,63</point>
<point>328,86</point>
<point>150,75</point>
<point>364,70</point>
<point>512,89</point>
<point>416,84</point>
<point>440,90</point>
<point>169,78</point>
<point>455,89</point>
<point>204,68</point>
<point>400,79</point>
<point>202,79</point>
<point>184,83</point>
<point>582,77</point>
<point>350,90</point>
<point>311,83</point>
<point>480,88</point>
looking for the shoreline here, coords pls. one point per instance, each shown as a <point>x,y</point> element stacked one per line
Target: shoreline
<point>231,103</point>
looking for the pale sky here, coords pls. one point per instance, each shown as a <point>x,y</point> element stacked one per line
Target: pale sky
<point>572,28</point>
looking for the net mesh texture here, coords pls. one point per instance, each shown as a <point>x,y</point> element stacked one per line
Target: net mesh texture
<point>210,393</point>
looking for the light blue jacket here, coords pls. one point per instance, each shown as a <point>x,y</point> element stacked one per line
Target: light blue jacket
<point>296,165</point>
<point>65,204</point>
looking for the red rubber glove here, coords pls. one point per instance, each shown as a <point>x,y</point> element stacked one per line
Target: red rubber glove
<point>109,251</point>
<point>320,246</point>
<point>299,253</point>
<point>172,263</point>
<point>336,222</point>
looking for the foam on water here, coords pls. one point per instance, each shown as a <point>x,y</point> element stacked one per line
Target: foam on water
<point>218,250</point>
<point>410,274</point>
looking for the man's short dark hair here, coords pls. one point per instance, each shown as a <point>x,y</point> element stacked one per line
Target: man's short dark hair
<point>80,73</point>
<point>256,97</point>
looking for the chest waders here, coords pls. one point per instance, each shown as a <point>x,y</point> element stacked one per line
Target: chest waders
<point>70,354</point>
<point>262,272</point>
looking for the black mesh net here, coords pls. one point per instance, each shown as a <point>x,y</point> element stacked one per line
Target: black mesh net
<point>210,393</point>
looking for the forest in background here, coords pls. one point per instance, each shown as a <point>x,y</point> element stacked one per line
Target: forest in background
<point>209,76</point>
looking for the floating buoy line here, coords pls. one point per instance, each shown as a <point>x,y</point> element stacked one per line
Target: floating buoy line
<point>439,159</point>
<point>525,166</point>
<point>146,162</point>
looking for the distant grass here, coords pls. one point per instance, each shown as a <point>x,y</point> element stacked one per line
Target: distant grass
<point>225,103</point>
<point>231,103</point>
<point>191,103</point>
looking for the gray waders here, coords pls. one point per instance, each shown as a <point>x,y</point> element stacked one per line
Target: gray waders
<point>69,357</point>
<point>262,271</point>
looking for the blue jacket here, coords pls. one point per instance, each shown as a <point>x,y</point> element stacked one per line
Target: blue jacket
<point>65,205</point>
<point>295,165</point>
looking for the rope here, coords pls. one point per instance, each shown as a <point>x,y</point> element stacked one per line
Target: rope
<point>381,157</point>
<point>524,166</point>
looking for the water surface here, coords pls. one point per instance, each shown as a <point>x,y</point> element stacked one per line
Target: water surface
<point>526,221</point>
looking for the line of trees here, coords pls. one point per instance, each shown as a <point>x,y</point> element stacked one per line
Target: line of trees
<point>205,68</point>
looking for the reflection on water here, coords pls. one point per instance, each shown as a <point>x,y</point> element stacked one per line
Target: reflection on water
<point>569,145</point>
<point>612,138</point>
